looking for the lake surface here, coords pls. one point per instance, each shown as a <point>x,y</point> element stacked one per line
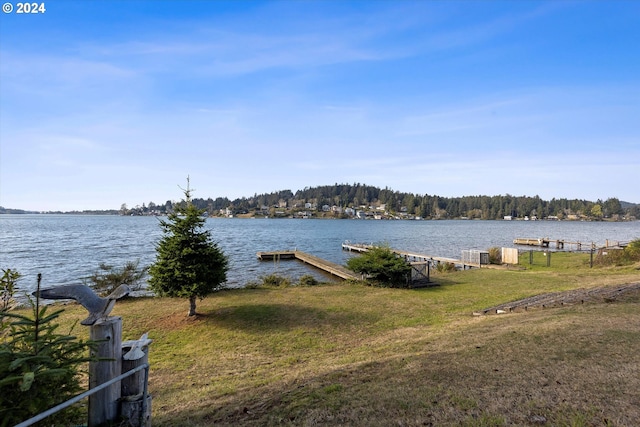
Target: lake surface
<point>68,248</point>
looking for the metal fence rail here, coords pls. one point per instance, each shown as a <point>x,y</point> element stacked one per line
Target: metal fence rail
<point>88,393</point>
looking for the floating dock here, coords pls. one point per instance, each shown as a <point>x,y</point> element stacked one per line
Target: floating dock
<point>545,242</point>
<point>322,264</point>
<point>531,242</point>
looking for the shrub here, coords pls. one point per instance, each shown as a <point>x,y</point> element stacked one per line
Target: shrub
<point>275,281</point>
<point>107,278</point>
<point>611,257</point>
<point>8,288</point>
<point>445,267</point>
<point>252,285</point>
<point>382,266</point>
<point>619,257</point>
<point>632,251</point>
<point>495,255</point>
<point>308,280</point>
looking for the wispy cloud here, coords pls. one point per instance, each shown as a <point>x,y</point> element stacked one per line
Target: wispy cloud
<point>418,96</point>
<point>52,70</point>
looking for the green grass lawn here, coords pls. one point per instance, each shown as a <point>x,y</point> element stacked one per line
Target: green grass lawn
<point>347,354</point>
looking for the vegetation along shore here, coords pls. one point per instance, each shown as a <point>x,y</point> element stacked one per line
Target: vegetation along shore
<point>364,201</point>
<point>350,354</point>
<point>563,347</point>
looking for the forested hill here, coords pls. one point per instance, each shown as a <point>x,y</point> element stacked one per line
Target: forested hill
<point>338,197</point>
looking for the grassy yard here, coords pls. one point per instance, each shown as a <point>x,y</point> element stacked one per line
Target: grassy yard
<point>346,354</point>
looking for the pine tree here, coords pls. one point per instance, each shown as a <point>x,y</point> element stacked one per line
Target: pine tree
<point>189,264</point>
<point>39,367</point>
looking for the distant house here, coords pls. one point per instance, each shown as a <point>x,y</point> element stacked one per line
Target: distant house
<point>304,214</point>
<point>361,214</point>
<point>349,211</point>
<point>508,218</point>
<point>326,208</point>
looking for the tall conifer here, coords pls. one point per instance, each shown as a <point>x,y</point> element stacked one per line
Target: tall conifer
<point>189,264</point>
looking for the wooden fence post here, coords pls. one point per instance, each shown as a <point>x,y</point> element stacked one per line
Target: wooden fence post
<point>134,407</point>
<point>104,405</point>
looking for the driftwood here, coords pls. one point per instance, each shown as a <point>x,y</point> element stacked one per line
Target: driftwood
<point>135,409</point>
<point>106,406</point>
<point>98,308</point>
<point>103,405</point>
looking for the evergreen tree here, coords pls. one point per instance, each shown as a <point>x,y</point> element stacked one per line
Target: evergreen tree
<point>189,264</point>
<point>382,266</point>
<point>39,367</point>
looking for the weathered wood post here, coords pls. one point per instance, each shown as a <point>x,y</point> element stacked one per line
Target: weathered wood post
<point>106,332</point>
<point>135,405</point>
<point>103,405</point>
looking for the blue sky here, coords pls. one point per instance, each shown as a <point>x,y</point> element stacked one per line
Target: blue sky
<point>111,102</point>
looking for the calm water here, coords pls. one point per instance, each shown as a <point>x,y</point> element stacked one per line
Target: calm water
<point>67,248</point>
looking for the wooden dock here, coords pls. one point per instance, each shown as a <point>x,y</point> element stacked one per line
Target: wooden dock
<point>545,242</point>
<point>322,264</point>
<point>531,242</point>
<point>359,247</point>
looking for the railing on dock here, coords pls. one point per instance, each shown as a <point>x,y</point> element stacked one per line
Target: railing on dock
<point>546,242</point>
<point>360,247</point>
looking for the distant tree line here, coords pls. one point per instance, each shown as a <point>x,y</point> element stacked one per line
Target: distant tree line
<point>362,196</point>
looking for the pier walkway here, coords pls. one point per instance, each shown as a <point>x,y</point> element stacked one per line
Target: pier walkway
<point>322,264</point>
<point>545,242</point>
<point>359,247</point>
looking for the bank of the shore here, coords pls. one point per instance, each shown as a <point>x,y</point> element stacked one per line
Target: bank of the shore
<point>345,354</point>
<point>68,248</point>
